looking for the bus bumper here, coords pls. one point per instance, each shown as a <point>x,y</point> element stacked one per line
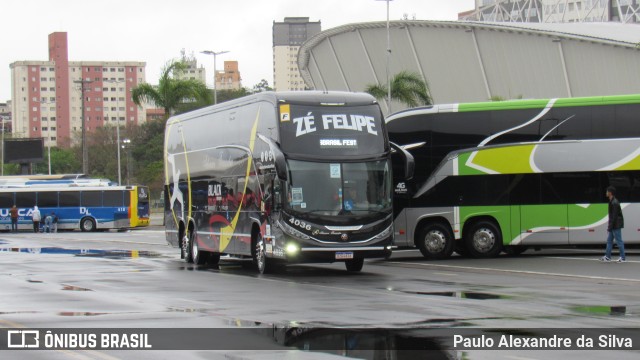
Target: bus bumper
<point>337,254</point>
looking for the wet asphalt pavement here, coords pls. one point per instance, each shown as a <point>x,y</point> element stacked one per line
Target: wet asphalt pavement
<point>134,280</point>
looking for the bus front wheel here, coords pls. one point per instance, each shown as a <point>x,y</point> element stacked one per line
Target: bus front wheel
<point>260,255</point>
<point>483,240</point>
<point>354,265</point>
<point>87,224</point>
<point>435,241</point>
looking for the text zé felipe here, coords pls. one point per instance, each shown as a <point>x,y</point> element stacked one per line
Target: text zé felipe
<point>96,341</point>
<point>609,341</point>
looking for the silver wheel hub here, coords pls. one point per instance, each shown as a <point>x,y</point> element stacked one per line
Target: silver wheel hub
<point>435,241</point>
<point>483,240</point>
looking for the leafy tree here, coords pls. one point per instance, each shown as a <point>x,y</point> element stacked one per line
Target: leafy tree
<point>171,92</point>
<point>263,85</point>
<point>406,87</point>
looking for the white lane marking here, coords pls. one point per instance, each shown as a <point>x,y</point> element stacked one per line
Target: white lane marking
<point>518,271</point>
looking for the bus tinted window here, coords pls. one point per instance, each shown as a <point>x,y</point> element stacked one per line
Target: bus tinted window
<point>48,199</point>
<point>91,198</point>
<point>6,200</point>
<point>113,198</point>
<point>25,200</point>
<point>69,199</point>
<point>127,198</point>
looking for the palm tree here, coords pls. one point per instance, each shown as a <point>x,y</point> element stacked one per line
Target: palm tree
<point>406,87</point>
<point>171,93</point>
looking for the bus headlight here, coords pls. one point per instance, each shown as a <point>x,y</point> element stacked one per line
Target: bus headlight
<point>384,233</point>
<point>292,249</point>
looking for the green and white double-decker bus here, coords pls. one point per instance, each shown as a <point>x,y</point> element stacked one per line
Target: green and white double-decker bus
<point>503,176</point>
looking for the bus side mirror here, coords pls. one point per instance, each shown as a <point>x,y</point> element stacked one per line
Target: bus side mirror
<point>279,159</point>
<point>277,196</point>
<point>403,157</point>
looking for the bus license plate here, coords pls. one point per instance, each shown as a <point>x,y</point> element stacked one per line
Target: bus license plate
<point>344,255</point>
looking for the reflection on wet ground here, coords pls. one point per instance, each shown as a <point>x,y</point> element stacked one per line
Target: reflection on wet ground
<point>365,343</point>
<point>74,288</point>
<point>111,254</point>
<point>458,294</point>
<point>74,313</point>
<point>602,310</point>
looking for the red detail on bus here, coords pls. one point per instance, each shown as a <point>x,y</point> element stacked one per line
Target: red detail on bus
<point>402,232</point>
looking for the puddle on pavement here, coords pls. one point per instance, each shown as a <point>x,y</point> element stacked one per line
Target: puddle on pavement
<point>602,310</point>
<point>366,343</point>
<point>110,254</point>
<point>74,288</point>
<point>73,313</point>
<point>460,294</point>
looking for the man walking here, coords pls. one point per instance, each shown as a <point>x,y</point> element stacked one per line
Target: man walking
<point>14,218</point>
<point>36,217</point>
<point>616,223</point>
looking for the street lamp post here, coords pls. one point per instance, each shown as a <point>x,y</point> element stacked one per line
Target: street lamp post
<point>215,54</point>
<point>117,128</point>
<point>388,58</point>
<point>125,143</point>
<point>48,140</point>
<point>85,152</point>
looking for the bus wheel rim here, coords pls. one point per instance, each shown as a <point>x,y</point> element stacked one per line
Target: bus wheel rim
<point>483,240</point>
<point>260,255</point>
<point>194,247</point>
<point>185,246</point>
<point>435,241</point>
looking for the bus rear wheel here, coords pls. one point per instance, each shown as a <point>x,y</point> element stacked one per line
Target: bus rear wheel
<point>514,250</point>
<point>483,240</point>
<point>185,251</point>
<point>199,257</point>
<point>354,265</point>
<point>435,241</point>
<point>87,224</point>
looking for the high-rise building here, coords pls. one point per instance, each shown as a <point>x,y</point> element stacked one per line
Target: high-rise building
<point>229,78</point>
<point>554,11</point>
<point>288,36</point>
<point>48,97</point>
<point>192,71</point>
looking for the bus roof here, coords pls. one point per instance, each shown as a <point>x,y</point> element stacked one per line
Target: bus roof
<point>518,104</point>
<point>298,97</point>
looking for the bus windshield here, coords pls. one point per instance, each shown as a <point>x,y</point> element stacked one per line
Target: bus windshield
<point>357,189</point>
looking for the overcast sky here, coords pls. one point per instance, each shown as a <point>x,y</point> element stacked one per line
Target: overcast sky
<point>155,31</point>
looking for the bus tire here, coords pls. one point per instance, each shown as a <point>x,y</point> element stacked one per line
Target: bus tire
<point>199,257</point>
<point>460,249</point>
<point>354,265</point>
<point>435,241</point>
<point>87,224</point>
<point>185,249</point>
<point>260,255</point>
<point>514,250</point>
<point>214,259</point>
<point>483,240</point>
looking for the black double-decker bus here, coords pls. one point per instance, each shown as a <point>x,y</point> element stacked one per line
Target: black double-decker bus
<point>281,178</point>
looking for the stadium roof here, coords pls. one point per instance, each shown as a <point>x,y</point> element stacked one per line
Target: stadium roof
<point>474,61</point>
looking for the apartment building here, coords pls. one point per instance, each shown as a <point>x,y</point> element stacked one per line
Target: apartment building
<point>229,78</point>
<point>51,98</point>
<point>288,36</point>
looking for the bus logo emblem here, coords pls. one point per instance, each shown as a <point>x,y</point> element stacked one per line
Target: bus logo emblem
<point>344,237</point>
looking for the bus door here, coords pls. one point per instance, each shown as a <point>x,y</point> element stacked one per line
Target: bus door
<point>587,207</point>
<point>544,212</point>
